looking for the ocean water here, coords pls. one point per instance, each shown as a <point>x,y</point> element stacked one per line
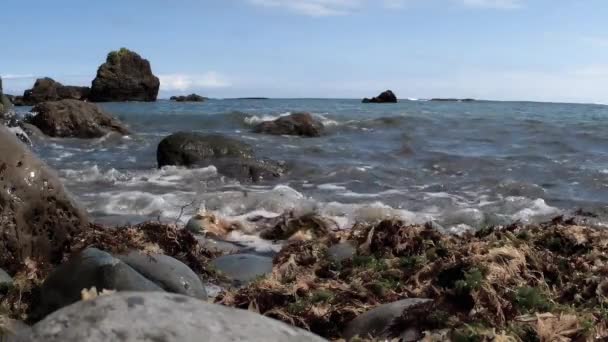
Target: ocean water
<point>463,165</point>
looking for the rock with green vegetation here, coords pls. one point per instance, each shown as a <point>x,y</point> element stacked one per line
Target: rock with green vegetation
<point>75,119</point>
<point>135,316</point>
<point>242,268</point>
<point>167,272</point>
<point>188,98</point>
<point>125,76</point>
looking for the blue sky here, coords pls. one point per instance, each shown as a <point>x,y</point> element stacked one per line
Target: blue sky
<point>493,49</point>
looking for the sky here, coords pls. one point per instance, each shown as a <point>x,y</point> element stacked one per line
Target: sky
<point>538,50</point>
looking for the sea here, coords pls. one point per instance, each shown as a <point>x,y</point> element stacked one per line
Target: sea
<point>461,165</point>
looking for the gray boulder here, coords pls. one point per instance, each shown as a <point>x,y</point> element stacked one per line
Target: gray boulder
<point>231,157</point>
<point>302,124</point>
<point>132,316</point>
<point>243,268</point>
<point>167,272</point>
<point>76,119</point>
<point>376,322</point>
<point>125,76</point>
<point>37,217</point>
<point>5,279</point>
<point>341,251</point>
<point>90,268</point>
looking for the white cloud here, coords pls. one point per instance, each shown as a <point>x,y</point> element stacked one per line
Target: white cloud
<point>324,8</point>
<point>16,77</point>
<point>183,82</point>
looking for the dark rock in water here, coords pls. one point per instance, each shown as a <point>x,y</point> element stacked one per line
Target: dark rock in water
<point>159,317</point>
<point>243,268</point>
<point>90,268</point>
<point>167,272</point>
<point>16,100</point>
<point>302,124</point>
<point>5,279</point>
<point>385,97</point>
<point>231,157</point>
<point>36,215</point>
<point>77,119</point>
<point>47,89</point>
<point>125,76</point>
<point>341,251</point>
<point>377,322</point>
<point>188,98</point>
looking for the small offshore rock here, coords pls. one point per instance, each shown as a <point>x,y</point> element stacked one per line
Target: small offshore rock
<point>301,124</point>
<point>188,98</point>
<point>90,268</point>
<point>76,119</point>
<point>376,322</point>
<point>167,272</point>
<point>385,97</point>
<point>243,268</point>
<point>341,251</point>
<point>135,316</point>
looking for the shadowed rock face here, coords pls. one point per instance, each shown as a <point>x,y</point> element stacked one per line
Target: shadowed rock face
<point>302,124</point>
<point>385,97</point>
<point>47,89</point>
<point>188,98</point>
<point>156,316</point>
<point>125,76</point>
<point>231,157</point>
<point>36,215</point>
<point>78,119</point>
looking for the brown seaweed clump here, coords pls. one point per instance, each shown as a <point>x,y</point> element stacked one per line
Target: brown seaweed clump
<point>543,282</point>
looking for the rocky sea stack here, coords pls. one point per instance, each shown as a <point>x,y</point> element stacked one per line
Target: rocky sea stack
<point>386,97</point>
<point>188,98</point>
<point>125,76</point>
<point>47,89</point>
<point>75,119</point>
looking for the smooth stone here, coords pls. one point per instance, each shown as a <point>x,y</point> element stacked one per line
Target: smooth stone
<point>91,268</point>
<point>341,251</point>
<point>159,317</point>
<point>213,245</point>
<point>376,321</point>
<point>243,268</point>
<point>5,279</point>
<point>167,272</point>
<point>11,328</point>
<point>196,225</point>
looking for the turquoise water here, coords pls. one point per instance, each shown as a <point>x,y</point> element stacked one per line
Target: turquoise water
<point>458,164</point>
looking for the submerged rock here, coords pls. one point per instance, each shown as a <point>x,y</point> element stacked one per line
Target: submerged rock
<point>47,89</point>
<point>77,119</point>
<point>231,157</point>
<point>133,316</point>
<point>125,76</point>
<point>243,268</point>
<point>37,217</point>
<point>90,268</point>
<point>385,97</point>
<point>302,124</point>
<point>188,98</point>
<point>167,272</point>
<point>377,322</point>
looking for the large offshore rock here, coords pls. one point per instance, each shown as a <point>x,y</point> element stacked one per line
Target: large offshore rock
<point>37,217</point>
<point>47,89</point>
<point>125,76</point>
<point>385,97</point>
<point>150,316</point>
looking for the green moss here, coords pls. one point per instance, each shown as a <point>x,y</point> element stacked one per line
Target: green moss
<point>322,296</point>
<point>412,262</point>
<point>473,279</point>
<point>530,299</point>
<point>370,262</point>
<point>114,56</point>
<point>468,333</point>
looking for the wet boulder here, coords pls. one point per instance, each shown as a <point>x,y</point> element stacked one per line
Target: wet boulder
<point>134,316</point>
<point>385,97</point>
<point>5,279</point>
<point>91,268</point>
<point>125,76</point>
<point>47,89</point>
<point>188,98</point>
<point>242,268</point>
<point>301,124</point>
<point>76,119</point>
<point>378,322</point>
<point>37,217</point>
<point>167,272</point>
<point>231,157</point>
